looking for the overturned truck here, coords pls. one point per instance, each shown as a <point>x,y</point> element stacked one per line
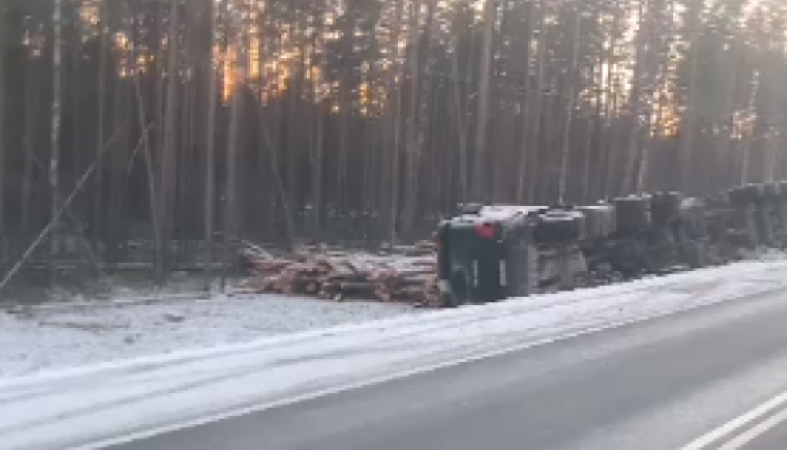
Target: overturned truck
<point>490,252</point>
<point>653,234</point>
<point>487,253</point>
<point>755,216</point>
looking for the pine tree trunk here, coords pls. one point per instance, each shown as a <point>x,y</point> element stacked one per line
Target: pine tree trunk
<point>590,133</point>
<point>56,111</point>
<point>572,81</point>
<point>484,91</point>
<point>607,160</point>
<point>31,97</point>
<point>231,188</point>
<point>688,121</point>
<point>209,209</point>
<point>632,138</point>
<point>117,175</point>
<point>316,142</point>
<point>748,139</point>
<point>460,114</point>
<point>727,137</point>
<point>152,182</point>
<point>415,127</point>
<point>3,140</point>
<point>534,127</point>
<point>594,190</point>
<point>293,147</point>
<point>168,163</point>
<point>772,111</point>
<point>389,191</point>
<point>527,111</point>
<point>98,199</point>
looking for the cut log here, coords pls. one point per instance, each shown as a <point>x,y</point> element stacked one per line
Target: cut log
<point>338,275</point>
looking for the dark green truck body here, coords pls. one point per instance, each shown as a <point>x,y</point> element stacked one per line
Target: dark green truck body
<point>485,259</point>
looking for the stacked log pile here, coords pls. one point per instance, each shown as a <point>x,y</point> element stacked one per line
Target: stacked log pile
<point>403,274</point>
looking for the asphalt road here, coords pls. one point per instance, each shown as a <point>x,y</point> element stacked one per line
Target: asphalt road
<point>654,385</point>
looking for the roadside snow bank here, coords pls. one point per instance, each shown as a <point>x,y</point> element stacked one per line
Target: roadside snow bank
<point>44,338</point>
<point>85,406</point>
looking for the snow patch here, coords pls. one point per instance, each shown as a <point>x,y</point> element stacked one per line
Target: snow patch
<point>43,338</point>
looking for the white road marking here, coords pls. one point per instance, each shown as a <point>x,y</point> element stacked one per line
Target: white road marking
<point>706,441</point>
<point>755,431</point>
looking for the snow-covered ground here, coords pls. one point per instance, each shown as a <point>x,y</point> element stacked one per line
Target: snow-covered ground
<point>63,335</point>
<point>107,402</point>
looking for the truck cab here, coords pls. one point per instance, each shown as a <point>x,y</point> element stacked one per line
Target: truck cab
<point>485,254</point>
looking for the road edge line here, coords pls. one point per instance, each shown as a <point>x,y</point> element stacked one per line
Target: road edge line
<point>756,431</point>
<point>713,436</point>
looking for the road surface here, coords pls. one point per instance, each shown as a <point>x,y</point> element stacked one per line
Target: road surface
<point>667,383</point>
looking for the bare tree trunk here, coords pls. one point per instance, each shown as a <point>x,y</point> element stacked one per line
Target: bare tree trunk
<point>527,111</point>
<point>399,123</point>
<point>54,156</point>
<point>393,128</point>
<point>152,184</point>
<point>315,135</point>
<point>231,189</point>
<point>748,139</point>
<point>484,91</point>
<point>318,158</point>
<point>727,137</point>
<point>168,162</point>
<point>98,203</point>
<point>117,180</point>
<point>689,121</point>
<point>770,158</point>
<point>633,134</point>
<point>346,114</point>
<point>607,161</point>
<point>210,157</point>
<point>772,111</point>
<point>545,178</point>
<point>3,143</point>
<point>158,98</point>
<point>395,169</point>
<point>653,132</point>
<point>593,128</point>
<point>293,144</point>
<point>534,128</point>
<point>569,119</point>
<point>644,136</point>
<point>29,138</point>
<point>419,115</point>
<point>414,139</point>
<point>188,147</point>
<point>461,122</point>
